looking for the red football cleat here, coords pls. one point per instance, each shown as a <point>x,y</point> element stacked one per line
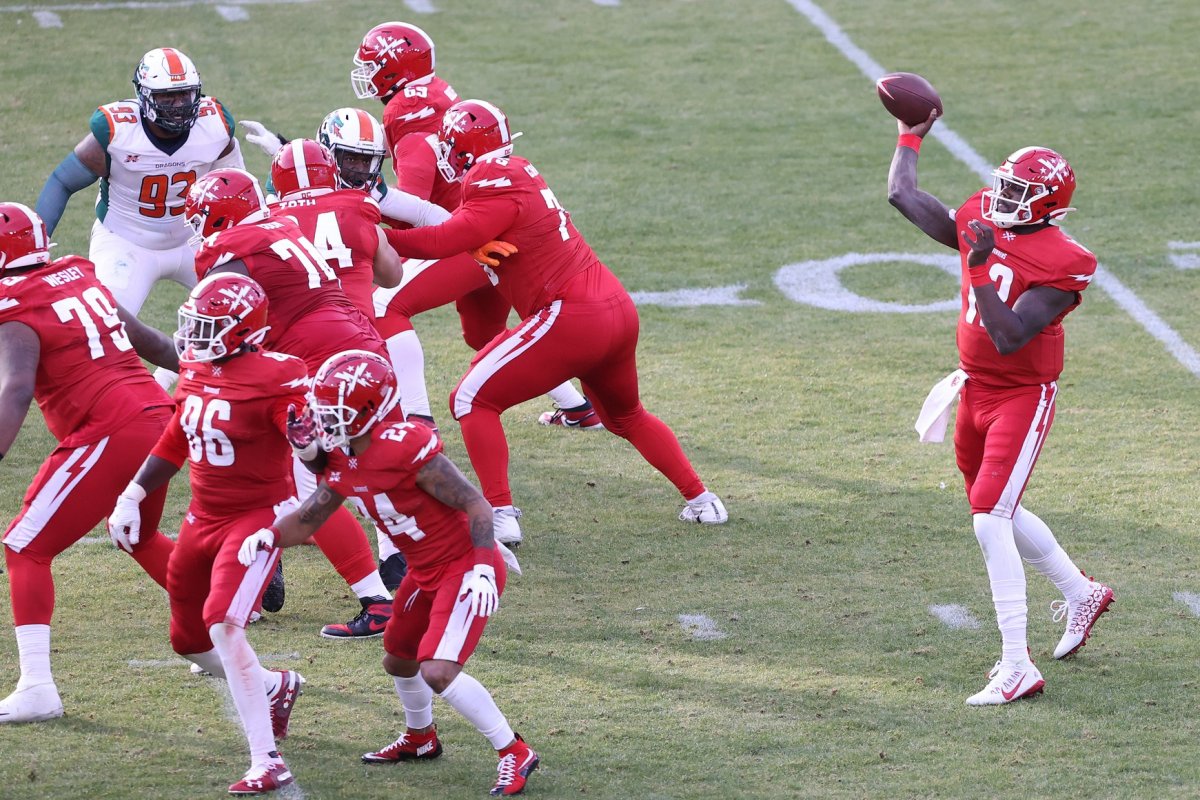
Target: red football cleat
<point>411,746</point>
<point>370,622</point>
<point>284,700</point>
<point>264,779</point>
<point>516,762</point>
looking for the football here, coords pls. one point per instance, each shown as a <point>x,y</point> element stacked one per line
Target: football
<point>908,97</point>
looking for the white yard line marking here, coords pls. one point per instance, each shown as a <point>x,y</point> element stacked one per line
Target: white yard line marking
<point>955,617</point>
<point>1184,353</point>
<point>155,663</point>
<point>420,6</point>
<point>233,13</point>
<point>607,3</point>
<point>1190,600</point>
<point>47,19</point>
<point>701,627</point>
<point>716,296</point>
<point>1188,259</point>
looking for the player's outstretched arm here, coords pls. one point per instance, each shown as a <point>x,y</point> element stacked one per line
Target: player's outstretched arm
<point>84,166</point>
<point>150,343</point>
<point>920,208</point>
<point>20,350</point>
<point>295,527</point>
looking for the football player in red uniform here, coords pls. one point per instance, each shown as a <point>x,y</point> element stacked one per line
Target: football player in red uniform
<point>395,64</point>
<point>311,318</point>
<point>343,224</point>
<point>577,318</point>
<point>230,424</point>
<point>396,473</point>
<point>66,342</point>
<point>1021,275</point>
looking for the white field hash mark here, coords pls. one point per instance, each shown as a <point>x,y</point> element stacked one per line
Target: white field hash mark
<point>1184,353</point>
<point>1190,600</point>
<point>955,617</point>
<point>701,627</point>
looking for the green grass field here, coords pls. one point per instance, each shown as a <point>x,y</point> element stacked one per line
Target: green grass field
<point>702,144</point>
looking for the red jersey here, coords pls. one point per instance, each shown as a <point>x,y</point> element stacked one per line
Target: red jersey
<point>89,380</point>
<point>231,422</point>
<point>383,484</point>
<point>1043,257</point>
<point>506,198</point>
<point>419,107</point>
<point>310,315</point>
<point>344,227</point>
<point>415,160</point>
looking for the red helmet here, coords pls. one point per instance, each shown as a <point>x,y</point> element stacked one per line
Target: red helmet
<point>221,199</point>
<point>350,393</point>
<point>472,130</point>
<point>391,55</point>
<point>303,164</point>
<point>225,314</point>
<point>1034,184</point>
<point>23,238</point>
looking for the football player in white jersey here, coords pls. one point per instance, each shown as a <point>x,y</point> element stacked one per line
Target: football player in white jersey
<point>146,152</point>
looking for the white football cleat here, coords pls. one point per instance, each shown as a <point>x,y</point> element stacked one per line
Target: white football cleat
<point>706,509</point>
<point>1009,682</point>
<point>1081,614</point>
<point>506,529</point>
<point>32,704</point>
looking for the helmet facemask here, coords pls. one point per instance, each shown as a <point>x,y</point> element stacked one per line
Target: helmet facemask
<point>201,338</point>
<point>357,168</point>
<point>173,110</point>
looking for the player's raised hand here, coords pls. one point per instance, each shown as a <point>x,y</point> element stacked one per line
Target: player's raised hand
<point>919,130</point>
<point>125,520</point>
<point>261,539</point>
<point>981,246</point>
<point>302,433</point>
<point>490,254</point>
<point>257,134</point>
<point>480,584</point>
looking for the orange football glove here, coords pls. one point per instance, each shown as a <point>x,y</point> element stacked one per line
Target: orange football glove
<point>500,249</point>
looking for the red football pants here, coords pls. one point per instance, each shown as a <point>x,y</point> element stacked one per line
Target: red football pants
<point>75,488</point>
<point>998,434</point>
<point>590,333</point>
<point>206,582</point>
<point>432,619</point>
<point>482,310</point>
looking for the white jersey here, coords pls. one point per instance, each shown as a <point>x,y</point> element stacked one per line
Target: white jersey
<point>142,198</point>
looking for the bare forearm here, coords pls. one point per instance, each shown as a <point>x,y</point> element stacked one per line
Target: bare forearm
<point>155,472</point>
<point>441,479</point>
<point>150,343</point>
<point>306,520</point>
<point>918,207</point>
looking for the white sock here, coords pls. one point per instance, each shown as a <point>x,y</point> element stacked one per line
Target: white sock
<point>417,699</point>
<point>1037,545</point>
<point>33,648</point>
<point>244,675</point>
<point>1007,577</point>
<point>702,498</point>
<point>468,697</point>
<point>370,586</point>
<point>565,395</point>
<point>408,361</point>
<point>386,548</point>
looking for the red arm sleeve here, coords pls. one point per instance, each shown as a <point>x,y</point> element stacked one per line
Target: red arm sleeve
<point>473,225</point>
<point>172,445</point>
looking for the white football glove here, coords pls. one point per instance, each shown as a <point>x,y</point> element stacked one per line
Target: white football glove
<point>480,583</point>
<point>267,141</point>
<point>261,539</point>
<point>125,520</point>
